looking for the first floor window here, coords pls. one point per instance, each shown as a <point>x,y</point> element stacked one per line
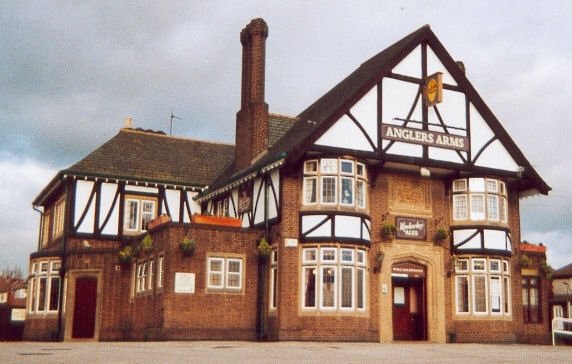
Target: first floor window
<point>530,300</point>
<point>481,286</point>
<point>334,280</point>
<point>225,273</point>
<point>138,213</point>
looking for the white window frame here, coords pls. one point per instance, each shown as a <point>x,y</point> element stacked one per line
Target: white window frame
<point>236,275</point>
<point>330,194</point>
<point>352,191</point>
<point>47,271</point>
<point>140,202</point>
<point>355,264</point>
<point>487,270</point>
<point>160,271</point>
<point>460,214</point>
<point>219,273</point>
<point>458,293</point>
<point>273,294</point>
<point>307,197</point>
<point>225,274</point>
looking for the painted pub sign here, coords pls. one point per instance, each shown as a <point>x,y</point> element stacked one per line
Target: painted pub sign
<point>410,228</point>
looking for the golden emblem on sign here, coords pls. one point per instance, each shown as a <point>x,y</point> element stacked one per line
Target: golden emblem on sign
<point>433,90</point>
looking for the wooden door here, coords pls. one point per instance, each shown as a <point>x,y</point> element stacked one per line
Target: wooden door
<point>84,308</point>
<point>408,309</point>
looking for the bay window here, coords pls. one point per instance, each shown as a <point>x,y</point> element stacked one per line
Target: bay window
<point>333,279</point>
<point>482,287</point>
<point>334,182</point>
<point>44,287</point>
<point>479,199</point>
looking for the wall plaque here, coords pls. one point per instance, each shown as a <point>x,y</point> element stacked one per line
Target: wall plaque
<point>410,228</point>
<point>184,282</point>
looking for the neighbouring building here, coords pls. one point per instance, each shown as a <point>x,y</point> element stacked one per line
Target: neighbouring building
<point>561,292</point>
<point>387,210</point>
<point>12,308</point>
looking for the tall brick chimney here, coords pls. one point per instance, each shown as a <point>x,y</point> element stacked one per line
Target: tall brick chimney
<point>252,118</point>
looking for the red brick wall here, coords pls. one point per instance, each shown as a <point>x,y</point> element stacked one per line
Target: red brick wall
<point>206,314</point>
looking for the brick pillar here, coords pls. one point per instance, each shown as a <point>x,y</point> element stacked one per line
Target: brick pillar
<point>252,118</point>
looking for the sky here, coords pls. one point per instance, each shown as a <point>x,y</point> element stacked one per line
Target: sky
<point>71,71</point>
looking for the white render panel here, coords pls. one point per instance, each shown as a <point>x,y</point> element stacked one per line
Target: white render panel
<point>452,111</point>
<point>446,155</point>
<point>82,193</point>
<point>410,65</point>
<point>367,232</point>
<point>348,226</point>
<point>310,221</point>
<point>496,156</point>
<point>461,235</point>
<point>405,149</point>
<point>274,202</point>
<point>495,239</point>
<point>195,207</point>
<point>259,207</point>
<point>480,131</point>
<point>434,65</point>
<point>173,198</point>
<point>144,189</point>
<point>398,97</point>
<point>365,111</point>
<point>108,192</point>
<point>345,134</point>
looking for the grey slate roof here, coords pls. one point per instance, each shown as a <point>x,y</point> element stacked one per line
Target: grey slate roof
<point>152,156</point>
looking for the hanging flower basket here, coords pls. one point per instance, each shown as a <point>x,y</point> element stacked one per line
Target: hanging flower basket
<point>525,261</point>
<point>388,231</point>
<point>187,247</point>
<point>147,243</point>
<point>126,255</point>
<point>441,234</point>
<point>264,249</point>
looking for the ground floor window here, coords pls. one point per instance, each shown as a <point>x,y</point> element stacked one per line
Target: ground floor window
<point>224,273</point>
<point>44,286</point>
<point>333,278</point>
<point>482,286</point>
<point>273,298</point>
<point>531,300</point>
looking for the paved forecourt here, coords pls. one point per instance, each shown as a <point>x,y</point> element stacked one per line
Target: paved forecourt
<point>282,352</point>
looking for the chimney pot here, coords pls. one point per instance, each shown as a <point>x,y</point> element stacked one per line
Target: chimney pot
<point>128,122</point>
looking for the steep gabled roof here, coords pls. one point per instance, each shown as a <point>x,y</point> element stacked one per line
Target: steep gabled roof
<point>151,157</point>
<point>318,117</point>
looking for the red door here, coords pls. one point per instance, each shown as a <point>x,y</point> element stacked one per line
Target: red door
<point>84,308</point>
<point>408,309</point>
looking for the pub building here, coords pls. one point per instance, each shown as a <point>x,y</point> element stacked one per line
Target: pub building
<point>387,210</point>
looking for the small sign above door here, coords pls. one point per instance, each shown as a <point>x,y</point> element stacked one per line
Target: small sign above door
<point>410,228</point>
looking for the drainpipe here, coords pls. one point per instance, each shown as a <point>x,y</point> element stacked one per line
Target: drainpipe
<point>67,204</point>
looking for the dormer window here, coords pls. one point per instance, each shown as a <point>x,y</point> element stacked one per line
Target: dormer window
<point>479,199</point>
<point>333,182</point>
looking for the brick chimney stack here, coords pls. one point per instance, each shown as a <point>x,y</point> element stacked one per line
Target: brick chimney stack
<point>252,118</point>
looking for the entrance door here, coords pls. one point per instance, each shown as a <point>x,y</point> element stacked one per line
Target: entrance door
<point>408,282</point>
<point>84,308</point>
